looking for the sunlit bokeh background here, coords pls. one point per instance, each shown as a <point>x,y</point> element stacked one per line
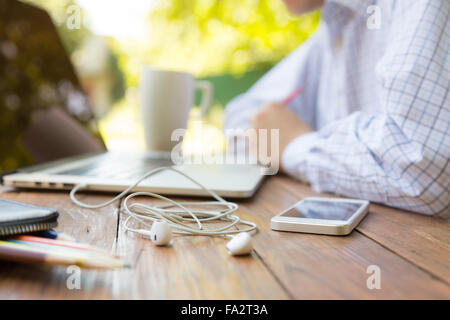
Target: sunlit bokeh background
<point>231,43</point>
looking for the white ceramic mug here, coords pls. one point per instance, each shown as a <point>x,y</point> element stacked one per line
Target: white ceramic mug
<point>166,97</point>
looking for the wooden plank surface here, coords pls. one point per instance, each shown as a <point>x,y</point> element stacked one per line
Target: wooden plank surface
<point>412,252</point>
<point>423,240</point>
<point>97,227</point>
<point>317,266</point>
<point>193,267</point>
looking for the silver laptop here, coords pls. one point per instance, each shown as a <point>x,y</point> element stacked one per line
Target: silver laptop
<point>49,138</point>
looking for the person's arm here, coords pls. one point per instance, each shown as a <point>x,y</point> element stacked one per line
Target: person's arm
<point>300,68</point>
<point>401,157</point>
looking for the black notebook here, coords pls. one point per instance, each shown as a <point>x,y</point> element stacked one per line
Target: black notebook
<point>18,218</point>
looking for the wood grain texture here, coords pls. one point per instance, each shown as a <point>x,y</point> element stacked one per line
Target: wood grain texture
<point>412,252</point>
<point>194,267</point>
<point>97,227</point>
<point>316,266</point>
<point>423,240</point>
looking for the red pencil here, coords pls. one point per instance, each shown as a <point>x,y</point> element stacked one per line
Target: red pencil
<point>292,96</point>
<point>21,252</point>
<point>60,243</point>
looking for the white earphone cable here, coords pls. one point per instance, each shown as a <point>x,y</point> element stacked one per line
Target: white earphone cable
<point>176,214</point>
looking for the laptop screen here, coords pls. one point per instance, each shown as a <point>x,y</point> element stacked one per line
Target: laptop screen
<point>44,114</point>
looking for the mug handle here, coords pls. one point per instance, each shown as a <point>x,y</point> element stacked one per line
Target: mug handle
<point>207,92</point>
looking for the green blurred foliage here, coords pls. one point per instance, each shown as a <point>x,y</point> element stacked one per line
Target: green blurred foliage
<point>35,78</point>
<point>209,37</point>
<point>73,38</point>
<point>231,43</point>
<point>204,37</point>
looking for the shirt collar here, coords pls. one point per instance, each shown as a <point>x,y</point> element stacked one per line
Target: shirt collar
<point>337,13</point>
<point>358,7</point>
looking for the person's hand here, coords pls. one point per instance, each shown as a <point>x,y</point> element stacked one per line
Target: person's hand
<point>278,116</point>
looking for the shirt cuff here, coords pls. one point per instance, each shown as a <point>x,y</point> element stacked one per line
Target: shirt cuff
<point>296,151</point>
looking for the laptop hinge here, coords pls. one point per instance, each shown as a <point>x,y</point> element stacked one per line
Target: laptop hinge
<point>5,174</point>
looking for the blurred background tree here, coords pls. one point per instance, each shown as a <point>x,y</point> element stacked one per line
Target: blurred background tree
<point>57,9</point>
<point>213,37</point>
<point>210,37</point>
<point>95,61</point>
<point>231,43</point>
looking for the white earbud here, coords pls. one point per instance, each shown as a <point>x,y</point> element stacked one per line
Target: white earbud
<point>160,233</point>
<point>178,216</point>
<point>240,245</point>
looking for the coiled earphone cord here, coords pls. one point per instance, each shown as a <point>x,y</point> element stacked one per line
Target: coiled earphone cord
<point>176,214</point>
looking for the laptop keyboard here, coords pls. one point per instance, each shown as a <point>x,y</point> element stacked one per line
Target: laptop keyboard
<point>118,168</point>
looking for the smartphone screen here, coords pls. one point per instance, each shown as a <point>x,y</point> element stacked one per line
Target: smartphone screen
<point>326,210</point>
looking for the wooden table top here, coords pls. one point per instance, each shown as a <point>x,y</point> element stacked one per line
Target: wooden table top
<point>411,250</point>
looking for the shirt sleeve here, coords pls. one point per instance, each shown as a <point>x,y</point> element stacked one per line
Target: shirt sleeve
<point>289,74</point>
<point>400,157</point>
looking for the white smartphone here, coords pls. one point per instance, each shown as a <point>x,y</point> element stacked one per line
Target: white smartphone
<point>322,215</point>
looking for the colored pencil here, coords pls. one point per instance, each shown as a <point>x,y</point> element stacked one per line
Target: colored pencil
<point>21,252</point>
<point>83,259</point>
<point>83,254</point>
<point>292,96</point>
<point>52,234</point>
<point>78,255</point>
<point>36,257</point>
<point>60,243</point>
<point>66,250</point>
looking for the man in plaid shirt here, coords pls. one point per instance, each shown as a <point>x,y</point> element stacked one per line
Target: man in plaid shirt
<point>373,121</point>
